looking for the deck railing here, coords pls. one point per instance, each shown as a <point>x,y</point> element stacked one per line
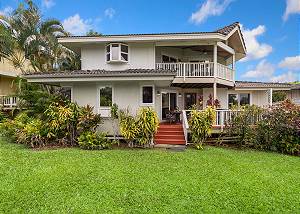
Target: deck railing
<point>222,118</point>
<point>8,101</point>
<point>205,69</point>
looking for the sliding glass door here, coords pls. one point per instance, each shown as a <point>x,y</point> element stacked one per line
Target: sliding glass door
<point>168,103</point>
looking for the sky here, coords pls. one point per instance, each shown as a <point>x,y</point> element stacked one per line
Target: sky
<point>271,28</point>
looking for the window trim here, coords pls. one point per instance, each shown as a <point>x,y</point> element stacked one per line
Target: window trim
<point>238,99</point>
<point>99,94</point>
<point>119,54</point>
<point>238,96</point>
<point>153,95</point>
<point>71,87</point>
<point>250,98</point>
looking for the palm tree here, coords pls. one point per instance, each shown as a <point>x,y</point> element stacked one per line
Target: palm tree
<point>25,37</point>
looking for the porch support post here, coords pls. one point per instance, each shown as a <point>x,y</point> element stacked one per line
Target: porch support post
<point>215,70</point>
<point>271,96</point>
<point>233,67</point>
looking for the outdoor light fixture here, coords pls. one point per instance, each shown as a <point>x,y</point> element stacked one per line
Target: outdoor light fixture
<point>179,95</point>
<point>158,93</point>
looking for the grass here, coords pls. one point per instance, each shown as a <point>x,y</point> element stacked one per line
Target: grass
<point>153,181</point>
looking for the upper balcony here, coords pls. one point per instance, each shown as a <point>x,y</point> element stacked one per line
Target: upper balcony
<point>198,63</point>
<point>187,70</point>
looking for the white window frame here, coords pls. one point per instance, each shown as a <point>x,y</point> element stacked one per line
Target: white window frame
<point>104,110</point>
<point>238,96</point>
<point>71,87</point>
<point>119,54</point>
<point>141,95</point>
<point>238,99</point>
<point>250,97</point>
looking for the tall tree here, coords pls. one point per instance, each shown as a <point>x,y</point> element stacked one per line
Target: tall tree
<point>25,36</point>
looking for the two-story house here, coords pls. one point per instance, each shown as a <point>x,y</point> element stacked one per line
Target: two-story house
<point>163,70</point>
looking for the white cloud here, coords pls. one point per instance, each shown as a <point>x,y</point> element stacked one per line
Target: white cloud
<point>292,7</point>
<point>255,50</point>
<point>6,11</point>
<point>110,13</point>
<point>76,25</point>
<point>48,3</point>
<point>263,70</point>
<point>285,77</point>
<point>292,63</point>
<point>209,8</point>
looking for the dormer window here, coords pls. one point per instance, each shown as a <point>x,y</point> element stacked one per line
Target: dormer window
<point>117,52</point>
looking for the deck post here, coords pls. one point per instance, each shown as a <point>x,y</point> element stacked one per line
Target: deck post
<point>215,70</point>
<point>184,72</point>
<point>233,67</point>
<point>271,96</point>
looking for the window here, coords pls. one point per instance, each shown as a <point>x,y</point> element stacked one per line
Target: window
<point>147,94</point>
<point>189,100</point>
<point>66,92</point>
<point>106,97</point>
<point>238,99</point>
<point>232,100</point>
<point>244,99</point>
<point>117,52</point>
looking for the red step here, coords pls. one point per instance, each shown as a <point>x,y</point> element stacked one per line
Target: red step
<point>170,134</point>
<point>175,137</point>
<point>166,141</point>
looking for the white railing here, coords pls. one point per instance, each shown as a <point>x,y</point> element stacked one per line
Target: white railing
<point>222,118</point>
<point>185,124</point>
<point>8,101</point>
<point>205,69</point>
<point>224,72</point>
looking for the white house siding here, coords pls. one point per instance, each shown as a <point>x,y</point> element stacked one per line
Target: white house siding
<point>260,98</point>
<point>257,97</point>
<point>221,96</point>
<point>141,55</point>
<point>85,94</point>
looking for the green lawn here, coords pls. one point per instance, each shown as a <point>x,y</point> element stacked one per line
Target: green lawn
<point>140,181</point>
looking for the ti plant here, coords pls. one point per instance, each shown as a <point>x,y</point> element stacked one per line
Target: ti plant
<point>200,124</point>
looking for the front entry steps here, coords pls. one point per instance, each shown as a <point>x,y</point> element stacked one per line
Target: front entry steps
<point>171,134</point>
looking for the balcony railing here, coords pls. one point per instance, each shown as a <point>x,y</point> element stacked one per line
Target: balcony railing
<point>189,69</point>
<point>8,101</point>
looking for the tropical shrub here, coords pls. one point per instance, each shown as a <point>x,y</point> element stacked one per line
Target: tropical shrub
<point>274,129</point>
<point>279,129</point>
<point>128,126</point>
<point>61,123</point>
<point>147,122</point>
<point>94,140</point>
<point>2,116</point>
<point>87,120</point>
<point>278,96</point>
<point>241,124</point>
<point>139,129</point>
<point>32,133</point>
<point>200,123</point>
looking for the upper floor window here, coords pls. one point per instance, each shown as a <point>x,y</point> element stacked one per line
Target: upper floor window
<point>117,52</point>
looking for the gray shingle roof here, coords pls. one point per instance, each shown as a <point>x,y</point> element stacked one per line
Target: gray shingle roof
<point>247,84</point>
<point>227,29</point>
<point>101,73</point>
<point>224,30</point>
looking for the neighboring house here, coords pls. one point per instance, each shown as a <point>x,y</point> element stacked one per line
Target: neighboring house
<point>164,71</point>
<point>294,93</point>
<point>7,87</point>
